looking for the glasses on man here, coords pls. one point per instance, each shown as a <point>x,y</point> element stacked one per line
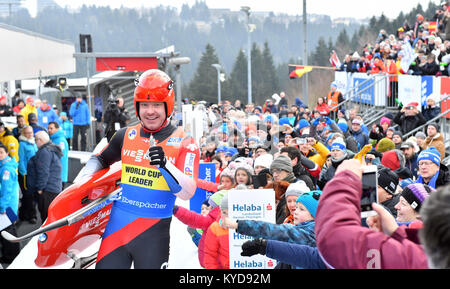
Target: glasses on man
<point>425,163</point>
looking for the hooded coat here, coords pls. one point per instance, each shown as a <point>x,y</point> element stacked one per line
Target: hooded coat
<point>9,185</point>
<point>59,139</point>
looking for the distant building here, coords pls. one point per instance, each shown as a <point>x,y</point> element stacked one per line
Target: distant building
<point>9,7</point>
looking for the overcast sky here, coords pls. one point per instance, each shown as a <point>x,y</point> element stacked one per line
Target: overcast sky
<point>333,8</point>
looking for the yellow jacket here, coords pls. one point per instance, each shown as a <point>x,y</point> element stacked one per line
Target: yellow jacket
<point>322,153</point>
<point>27,110</point>
<point>9,141</point>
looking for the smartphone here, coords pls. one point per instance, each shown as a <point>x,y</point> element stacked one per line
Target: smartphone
<point>369,191</point>
<point>259,180</point>
<point>301,141</point>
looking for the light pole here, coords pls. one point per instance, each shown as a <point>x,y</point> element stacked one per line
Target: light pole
<point>218,68</point>
<point>305,53</point>
<point>246,10</point>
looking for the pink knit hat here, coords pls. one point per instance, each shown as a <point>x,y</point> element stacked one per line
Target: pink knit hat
<point>385,119</point>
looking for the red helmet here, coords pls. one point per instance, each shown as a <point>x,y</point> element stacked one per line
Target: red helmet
<point>154,86</point>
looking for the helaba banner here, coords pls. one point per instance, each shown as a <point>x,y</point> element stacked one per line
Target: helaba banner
<point>249,205</point>
<point>206,171</point>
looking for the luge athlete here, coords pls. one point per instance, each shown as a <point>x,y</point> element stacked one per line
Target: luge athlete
<point>159,164</point>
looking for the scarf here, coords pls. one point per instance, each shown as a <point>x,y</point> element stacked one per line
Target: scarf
<point>431,183</point>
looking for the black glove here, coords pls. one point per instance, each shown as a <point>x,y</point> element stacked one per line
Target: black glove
<point>253,247</point>
<point>157,156</point>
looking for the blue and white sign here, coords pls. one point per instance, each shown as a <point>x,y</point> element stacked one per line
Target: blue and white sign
<point>364,90</point>
<point>206,171</point>
<point>249,205</point>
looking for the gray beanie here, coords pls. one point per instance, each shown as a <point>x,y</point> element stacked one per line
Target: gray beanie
<point>296,189</point>
<point>421,135</point>
<point>282,163</point>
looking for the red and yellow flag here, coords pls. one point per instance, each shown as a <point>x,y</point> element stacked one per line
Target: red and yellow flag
<point>432,25</point>
<point>298,71</point>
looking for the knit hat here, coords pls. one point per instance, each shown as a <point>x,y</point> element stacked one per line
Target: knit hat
<point>296,189</point>
<point>415,194</point>
<point>436,126</point>
<point>431,154</point>
<point>385,145</point>
<point>264,160</point>
<point>303,123</point>
<point>282,163</point>
<point>405,182</point>
<point>216,199</point>
<point>420,135</point>
<point>388,180</point>
<point>310,200</point>
<point>390,160</point>
<point>399,133</point>
<point>338,144</point>
<point>343,126</point>
<point>385,119</point>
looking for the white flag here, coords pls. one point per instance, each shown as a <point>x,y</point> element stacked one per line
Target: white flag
<point>408,56</point>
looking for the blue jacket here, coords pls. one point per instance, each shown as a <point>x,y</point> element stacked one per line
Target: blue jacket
<point>45,117</point>
<point>67,127</point>
<point>26,151</point>
<point>361,138</point>
<point>302,233</point>
<point>9,185</point>
<point>301,256</point>
<point>44,170</point>
<point>59,139</point>
<point>80,113</point>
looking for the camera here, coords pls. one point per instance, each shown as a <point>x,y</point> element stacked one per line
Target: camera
<point>112,102</point>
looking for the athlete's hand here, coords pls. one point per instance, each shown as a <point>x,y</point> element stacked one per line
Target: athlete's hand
<point>157,156</point>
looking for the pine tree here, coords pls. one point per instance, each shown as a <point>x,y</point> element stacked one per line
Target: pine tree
<point>204,84</point>
<point>238,78</point>
<point>271,82</point>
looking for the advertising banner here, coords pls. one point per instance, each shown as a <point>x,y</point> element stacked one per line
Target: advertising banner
<point>409,89</point>
<point>206,171</point>
<point>249,205</point>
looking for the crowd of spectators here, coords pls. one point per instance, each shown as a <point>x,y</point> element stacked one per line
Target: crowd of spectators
<point>307,157</point>
<point>429,40</point>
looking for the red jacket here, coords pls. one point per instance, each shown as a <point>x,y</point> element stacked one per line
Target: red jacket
<point>344,243</point>
<point>217,254</point>
<point>198,221</point>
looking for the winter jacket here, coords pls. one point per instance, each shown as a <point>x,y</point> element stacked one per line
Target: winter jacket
<point>430,112</point>
<point>44,170</point>
<point>27,110</point>
<point>217,248</point>
<point>300,256</point>
<point>59,139</point>
<point>413,165</point>
<point>198,221</point>
<point>408,123</point>
<point>46,115</point>
<point>302,233</point>
<point>67,127</point>
<point>361,138</point>
<point>9,185</point>
<point>344,243</point>
<point>79,112</point>
<point>8,139</point>
<point>27,149</point>
<point>438,142</point>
